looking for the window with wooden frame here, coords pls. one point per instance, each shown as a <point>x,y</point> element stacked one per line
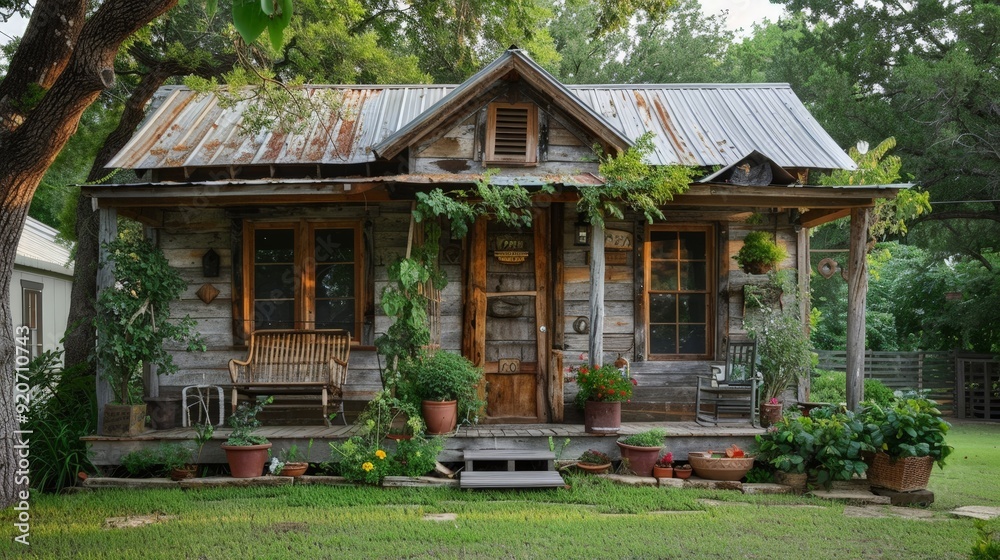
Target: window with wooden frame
<point>679,294</point>
<point>304,275</point>
<point>31,315</point>
<point>512,134</point>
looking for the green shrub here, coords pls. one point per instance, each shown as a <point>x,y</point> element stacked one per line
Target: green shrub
<point>443,376</point>
<point>758,248</point>
<point>361,459</point>
<point>649,438</point>
<point>62,411</point>
<point>912,427</point>
<point>831,387</point>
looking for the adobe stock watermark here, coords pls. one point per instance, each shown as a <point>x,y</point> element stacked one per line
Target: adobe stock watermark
<point>22,403</point>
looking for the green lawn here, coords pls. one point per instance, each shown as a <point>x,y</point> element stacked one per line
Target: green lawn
<point>593,520</point>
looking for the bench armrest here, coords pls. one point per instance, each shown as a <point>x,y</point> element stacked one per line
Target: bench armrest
<point>236,367</point>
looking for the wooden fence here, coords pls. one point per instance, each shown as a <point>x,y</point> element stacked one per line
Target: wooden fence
<point>932,371</point>
<point>977,386</point>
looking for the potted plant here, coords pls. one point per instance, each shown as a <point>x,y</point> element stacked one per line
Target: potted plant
<point>388,416</point>
<point>291,462</point>
<point>594,461</point>
<point>246,452</point>
<point>733,464</point>
<point>913,441</point>
<point>759,254</point>
<point>446,384</point>
<point>683,471</point>
<point>134,328</point>
<point>782,346</point>
<point>178,461</point>
<point>639,451</point>
<point>828,445</point>
<point>664,466</point>
<point>601,393</point>
<point>770,412</point>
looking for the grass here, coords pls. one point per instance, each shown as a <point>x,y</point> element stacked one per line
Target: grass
<point>593,519</point>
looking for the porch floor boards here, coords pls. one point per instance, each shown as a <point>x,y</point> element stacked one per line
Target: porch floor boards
<point>682,437</point>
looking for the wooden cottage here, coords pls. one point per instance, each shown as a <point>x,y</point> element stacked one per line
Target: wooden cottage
<point>305,221</point>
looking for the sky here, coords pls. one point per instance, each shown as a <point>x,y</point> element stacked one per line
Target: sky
<point>742,14</point>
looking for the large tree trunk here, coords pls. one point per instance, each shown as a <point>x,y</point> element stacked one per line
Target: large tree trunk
<point>33,135</point>
<point>80,335</point>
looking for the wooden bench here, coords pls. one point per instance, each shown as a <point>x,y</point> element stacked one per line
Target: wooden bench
<point>294,362</point>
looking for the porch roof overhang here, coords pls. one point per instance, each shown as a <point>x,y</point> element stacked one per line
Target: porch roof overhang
<point>818,204</point>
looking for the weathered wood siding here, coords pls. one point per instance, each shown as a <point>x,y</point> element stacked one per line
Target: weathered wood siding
<point>186,235</point>
<point>666,389</point>
<point>460,150</point>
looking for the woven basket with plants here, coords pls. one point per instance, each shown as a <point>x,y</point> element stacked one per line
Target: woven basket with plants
<point>913,441</point>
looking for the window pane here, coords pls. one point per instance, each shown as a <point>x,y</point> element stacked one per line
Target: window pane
<point>692,308</point>
<point>334,245</point>
<point>692,339</point>
<point>335,314</point>
<point>662,308</point>
<point>274,314</point>
<point>693,244</point>
<point>662,276</point>
<point>274,281</point>
<point>335,280</point>
<point>662,339</point>
<point>274,246</point>
<point>694,275</point>
<point>663,244</point>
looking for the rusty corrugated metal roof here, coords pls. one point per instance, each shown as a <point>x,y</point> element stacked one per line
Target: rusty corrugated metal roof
<point>693,124</point>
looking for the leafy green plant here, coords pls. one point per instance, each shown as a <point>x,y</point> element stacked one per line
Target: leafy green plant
<point>987,545</point>
<point>649,438</point>
<point>559,449</point>
<point>133,317</point>
<point>415,457</point>
<point>244,423</point>
<point>629,183</point>
<point>377,420</point>
<point>142,462</point>
<point>604,384</point>
<point>360,459</point>
<point>444,376</point>
<point>831,387</point>
<point>912,427</point>
<point>782,345</point>
<point>175,456</point>
<point>594,457</point>
<point>758,249</point>
<point>63,410</point>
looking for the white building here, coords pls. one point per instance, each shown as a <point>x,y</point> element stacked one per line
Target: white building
<point>41,285</point>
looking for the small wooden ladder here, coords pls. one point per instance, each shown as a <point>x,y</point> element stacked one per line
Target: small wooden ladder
<point>510,478</point>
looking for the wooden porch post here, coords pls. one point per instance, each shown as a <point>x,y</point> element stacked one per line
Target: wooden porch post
<point>596,346</point>
<point>108,220</point>
<point>857,292</point>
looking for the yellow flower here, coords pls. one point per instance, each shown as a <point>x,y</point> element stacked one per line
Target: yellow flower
<point>380,454</point>
<point>368,466</point>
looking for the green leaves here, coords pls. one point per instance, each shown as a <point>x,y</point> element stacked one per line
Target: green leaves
<point>252,17</point>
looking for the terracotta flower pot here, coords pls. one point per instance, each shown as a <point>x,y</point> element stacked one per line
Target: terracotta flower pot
<point>681,472</point>
<point>770,414</point>
<point>594,469</point>
<point>663,472</point>
<point>441,417</point>
<point>294,469</point>
<point>640,459</point>
<point>246,461</point>
<point>602,417</point>
<point>185,472</point>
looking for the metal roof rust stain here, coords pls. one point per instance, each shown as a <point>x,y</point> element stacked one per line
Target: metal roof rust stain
<point>345,137</point>
<point>275,145</point>
<point>640,102</point>
<point>675,142</point>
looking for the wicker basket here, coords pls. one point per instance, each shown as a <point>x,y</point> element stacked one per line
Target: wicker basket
<point>902,475</point>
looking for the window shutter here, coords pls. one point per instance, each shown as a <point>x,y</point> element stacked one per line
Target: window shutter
<point>512,134</point>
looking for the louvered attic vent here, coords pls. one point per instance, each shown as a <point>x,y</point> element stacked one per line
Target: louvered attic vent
<point>512,134</point>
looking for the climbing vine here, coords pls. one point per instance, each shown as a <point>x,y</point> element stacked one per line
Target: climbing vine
<point>630,183</point>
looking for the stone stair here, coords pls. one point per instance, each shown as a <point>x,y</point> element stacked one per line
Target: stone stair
<point>511,477</point>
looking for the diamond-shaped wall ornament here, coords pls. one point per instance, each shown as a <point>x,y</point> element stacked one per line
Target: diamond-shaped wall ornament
<point>207,293</point>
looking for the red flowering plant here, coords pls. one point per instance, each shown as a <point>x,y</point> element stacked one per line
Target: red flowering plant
<point>665,460</point>
<point>604,384</point>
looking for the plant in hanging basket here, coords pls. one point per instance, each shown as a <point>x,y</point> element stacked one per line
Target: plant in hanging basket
<point>759,254</point>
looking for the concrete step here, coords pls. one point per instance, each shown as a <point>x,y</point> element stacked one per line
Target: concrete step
<point>509,479</point>
<point>852,497</point>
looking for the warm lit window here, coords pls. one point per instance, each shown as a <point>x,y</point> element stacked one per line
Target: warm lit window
<point>512,134</point>
<point>305,275</point>
<point>678,291</point>
<point>31,315</point>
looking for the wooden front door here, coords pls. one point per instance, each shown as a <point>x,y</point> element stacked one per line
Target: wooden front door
<point>513,266</point>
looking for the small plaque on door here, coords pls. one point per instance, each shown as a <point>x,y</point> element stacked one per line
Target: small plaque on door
<point>509,365</point>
